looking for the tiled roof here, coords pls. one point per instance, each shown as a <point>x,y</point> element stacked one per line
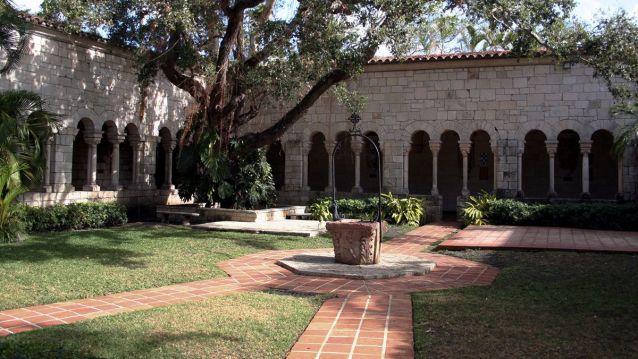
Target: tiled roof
<point>37,20</point>
<point>442,57</point>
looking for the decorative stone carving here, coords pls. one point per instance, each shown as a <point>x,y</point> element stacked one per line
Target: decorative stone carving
<point>356,242</point>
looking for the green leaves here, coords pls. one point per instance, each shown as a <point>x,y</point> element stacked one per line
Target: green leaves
<point>408,210</point>
<point>476,211</point>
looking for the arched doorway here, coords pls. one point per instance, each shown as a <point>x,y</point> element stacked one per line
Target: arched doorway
<point>318,163</point>
<point>277,160</point>
<point>344,163</point>
<point>161,156</point>
<point>480,163</point>
<point>568,170</point>
<point>105,155</point>
<point>80,157</point>
<point>603,166</point>
<point>420,164</point>
<point>450,173</point>
<point>535,165</point>
<point>368,167</point>
<point>127,156</point>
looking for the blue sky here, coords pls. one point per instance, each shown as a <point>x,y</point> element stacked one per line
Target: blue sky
<point>587,9</point>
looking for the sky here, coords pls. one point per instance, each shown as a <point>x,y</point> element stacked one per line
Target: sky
<point>586,9</point>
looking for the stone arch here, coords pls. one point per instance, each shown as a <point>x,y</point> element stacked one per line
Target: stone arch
<point>535,165</point>
<point>420,164</point>
<point>480,163</point>
<point>80,157</point>
<point>83,114</point>
<point>368,165</point>
<point>568,165</point>
<point>549,132</point>
<point>603,166</point>
<point>128,158</point>
<point>583,130</point>
<point>441,127</point>
<point>450,173</point>
<point>344,163</point>
<point>486,127</point>
<point>276,157</point>
<point>318,162</point>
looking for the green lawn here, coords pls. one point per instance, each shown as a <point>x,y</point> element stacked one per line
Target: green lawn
<point>61,266</point>
<point>543,304</point>
<point>255,325</point>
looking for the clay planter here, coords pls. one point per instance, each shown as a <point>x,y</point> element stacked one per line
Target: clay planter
<point>356,242</point>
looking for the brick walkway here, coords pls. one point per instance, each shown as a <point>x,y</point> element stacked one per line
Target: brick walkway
<point>543,238</point>
<point>367,319</point>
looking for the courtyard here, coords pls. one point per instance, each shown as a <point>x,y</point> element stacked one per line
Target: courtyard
<point>168,291</point>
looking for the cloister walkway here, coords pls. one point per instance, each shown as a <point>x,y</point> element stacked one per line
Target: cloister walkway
<point>521,237</point>
<point>366,319</point>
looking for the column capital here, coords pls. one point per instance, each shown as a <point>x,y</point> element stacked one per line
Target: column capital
<point>116,139</point>
<point>92,138</point>
<point>435,146</point>
<point>330,145</point>
<point>465,147</point>
<point>357,145</point>
<point>585,147</point>
<point>552,147</point>
<point>169,145</point>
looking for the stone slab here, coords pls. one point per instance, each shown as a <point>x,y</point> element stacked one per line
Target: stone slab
<point>282,227</point>
<point>322,264</point>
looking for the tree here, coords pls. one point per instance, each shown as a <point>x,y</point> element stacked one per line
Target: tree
<point>13,36</point>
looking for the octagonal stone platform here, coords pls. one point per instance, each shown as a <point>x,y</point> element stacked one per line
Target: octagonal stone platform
<point>322,264</point>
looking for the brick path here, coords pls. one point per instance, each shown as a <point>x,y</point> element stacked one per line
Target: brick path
<point>543,238</point>
<point>367,319</point>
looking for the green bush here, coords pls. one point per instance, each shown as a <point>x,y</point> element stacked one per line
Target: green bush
<point>395,210</point>
<point>476,210</point>
<point>61,217</point>
<point>576,215</point>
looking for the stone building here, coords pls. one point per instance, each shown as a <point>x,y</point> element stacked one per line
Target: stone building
<point>447,126</point>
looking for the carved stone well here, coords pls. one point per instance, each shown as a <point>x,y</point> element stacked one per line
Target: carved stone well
<point>356,242</point>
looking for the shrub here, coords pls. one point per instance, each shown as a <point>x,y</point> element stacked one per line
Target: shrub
<point>576,215</point>
<point>402,210</point>
<point>475,211</point>
<point>61,217</point>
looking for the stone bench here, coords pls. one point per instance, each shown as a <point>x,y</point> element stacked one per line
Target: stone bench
<point>299,216</point>
<point>185,215</point>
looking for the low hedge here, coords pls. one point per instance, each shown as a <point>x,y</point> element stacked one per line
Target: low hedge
<point>576,215</point>
<point>61,217</point>
<point>360,208</point>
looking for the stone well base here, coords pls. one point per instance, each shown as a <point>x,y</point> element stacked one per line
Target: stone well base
<point>322,264</point>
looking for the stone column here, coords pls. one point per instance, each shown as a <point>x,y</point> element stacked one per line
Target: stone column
<point>168,146</point>
<point>495,158</point>
<point>435,147</point>
<point>465,151</point>
<point>305,151</point>
<point>406,169</point>
<point>330,145</point>
<point>92,139</point>
<point>585,149</point>
<point>46,180</point>
<point>519,176</point>
<point>552,147</point>
<point>357,147</point>
<point>620,195</point>
<point>115,161</point>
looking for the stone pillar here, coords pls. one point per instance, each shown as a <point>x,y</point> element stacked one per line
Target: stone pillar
<point>519,176</point>
<point>465,151</point>
<point>115,161</point>
<point>92,139</point>
<point>435,147</point>
<point>495,162</point>
<point>552,147</point>
<point>305,151</point>
<point>406,169</point>
<point>169,146</point>
<point>357,147</point>
<point>330,145</point>
<point>585,149</point>
<point>46,180</point>
<point>620,195</point>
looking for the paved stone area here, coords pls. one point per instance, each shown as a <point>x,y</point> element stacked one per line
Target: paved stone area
<point>322,264</point>
<point>514,237</point>
<point>367,319</point>
<point>304,228</point>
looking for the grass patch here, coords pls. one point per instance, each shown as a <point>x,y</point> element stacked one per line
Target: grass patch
<point>543,304</point>
<point>255,325</point>
<point>54,267</point>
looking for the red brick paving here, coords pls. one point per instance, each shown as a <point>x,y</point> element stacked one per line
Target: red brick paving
<point>513,237</point>
<point>367,319</point>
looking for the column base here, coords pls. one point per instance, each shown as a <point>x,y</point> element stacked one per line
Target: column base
<point>47,189</point>
<point>91,188</point>
<point>116,188</point>
<point>169,187</point>
<point>585,196</point>
<point>357,190</point>
<point>465,192</point>
<point>435,191</point>
<point>620,197</point>
<point>520,194</point>
<point>551,195</point>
